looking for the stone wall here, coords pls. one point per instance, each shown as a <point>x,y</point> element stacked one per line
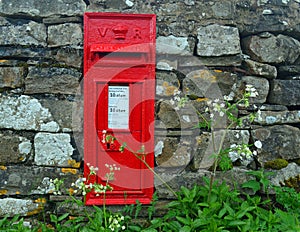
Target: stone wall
<point>204,48</point>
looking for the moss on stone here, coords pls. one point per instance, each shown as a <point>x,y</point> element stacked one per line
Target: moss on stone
<point>276,164</point>
<point>293,182</point>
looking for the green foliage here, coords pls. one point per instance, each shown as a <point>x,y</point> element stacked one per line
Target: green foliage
<point>15,224</point>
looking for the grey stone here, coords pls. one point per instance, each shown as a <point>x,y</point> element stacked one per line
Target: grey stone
<point>281,90</point>
<point>173,45</point>
<point>30,33</point>
<point>279,141</point>
<point>13,206</point>
<point>277,117</point>
<point>61,111</point>
<point>174,153</point>
<point>192,62</point>
<point>268,48</point>
<point>42,8</point>
<point>67,34</point>
<point>29,180</point>
<point>260,84</point>
<point>167,83</point>
<point>60,20</point>
<point>209,83</point>
<point>292,170</point>
<point>217,40</point>
<point>259,69</point>
<point>11,77</point>
<point>68,56</point>
<point>206,145</point>
<point>52,149</point>
<point>25,113</point>
<point>52,80</point>
<point>288,70</point>
<point>223,10</point>
<point>14,149</point>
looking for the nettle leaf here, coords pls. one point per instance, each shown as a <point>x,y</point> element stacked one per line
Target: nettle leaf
<point>252,184</point>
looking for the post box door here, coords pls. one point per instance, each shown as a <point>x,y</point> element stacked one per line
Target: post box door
<point>119,87</point>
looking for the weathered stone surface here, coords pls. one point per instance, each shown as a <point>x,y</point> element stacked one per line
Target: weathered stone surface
<point>68,56</point>
<point>61,111</point>
<point>277,117</point>
<point>52,80</point>
<point>52,149</point>
<point>192,63</point>
<point>268,48</point>
<point>260,84</point>
<point>217,40</point>
<point>259,69</point>
<point>175,153</point>
<point>67,34</point>
<point>292,170</point>
<point>170,115</point>
<point>167,83</point>
<point>285,92</point>
<point>13,206</point>
<point>42,8</point>
<point>11,77</point>
<point>14,149</point>
<point>204,148</point>
<point>287,71</point>
<point>28,180</point>
<point>25,113</point>
<point>209,83</point>
<point>29,33</point>
<point>56,20</point>
<point>279,141</point>
<point>173,45</point>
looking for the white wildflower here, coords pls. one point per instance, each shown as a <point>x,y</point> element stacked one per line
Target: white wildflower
<point>258,144</point>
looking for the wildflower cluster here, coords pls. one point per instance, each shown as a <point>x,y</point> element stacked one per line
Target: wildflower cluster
<point>83,186</point>
<point>115,221</point>
<point>251,91</point>
<point>217,107</point>
<point>178,100</point>
<point>56,186</point>
<point>242,153</point>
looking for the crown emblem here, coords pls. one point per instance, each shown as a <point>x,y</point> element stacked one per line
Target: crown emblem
<point>120,31</point>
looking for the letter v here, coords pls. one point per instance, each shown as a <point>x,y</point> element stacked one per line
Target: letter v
<point>102,31</point>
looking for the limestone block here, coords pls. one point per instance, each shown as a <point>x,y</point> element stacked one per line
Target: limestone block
<point>260,69</point>
<point>279,141</point>
<point>292,170</point>
<point>13,206</point>
<point>278,117</point>
<point>260,84</point>
<point>173,45</point>
<point>30,33</point>
<point>14,149</point>
<point>285,92</point>
<point>209,83</point>
<point>52,149</point>
<point>167,84</point>
<point>11,77</point>
<point>30,180</point>
<point>52,80</point>
<point>217,40</point>
<point>268,48</point>
<point>175,153</point>
<point>25,113</point>
<point>42,8</point>
<point>67,34</point>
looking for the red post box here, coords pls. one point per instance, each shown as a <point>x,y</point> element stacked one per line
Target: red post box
<point>119,94</point>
